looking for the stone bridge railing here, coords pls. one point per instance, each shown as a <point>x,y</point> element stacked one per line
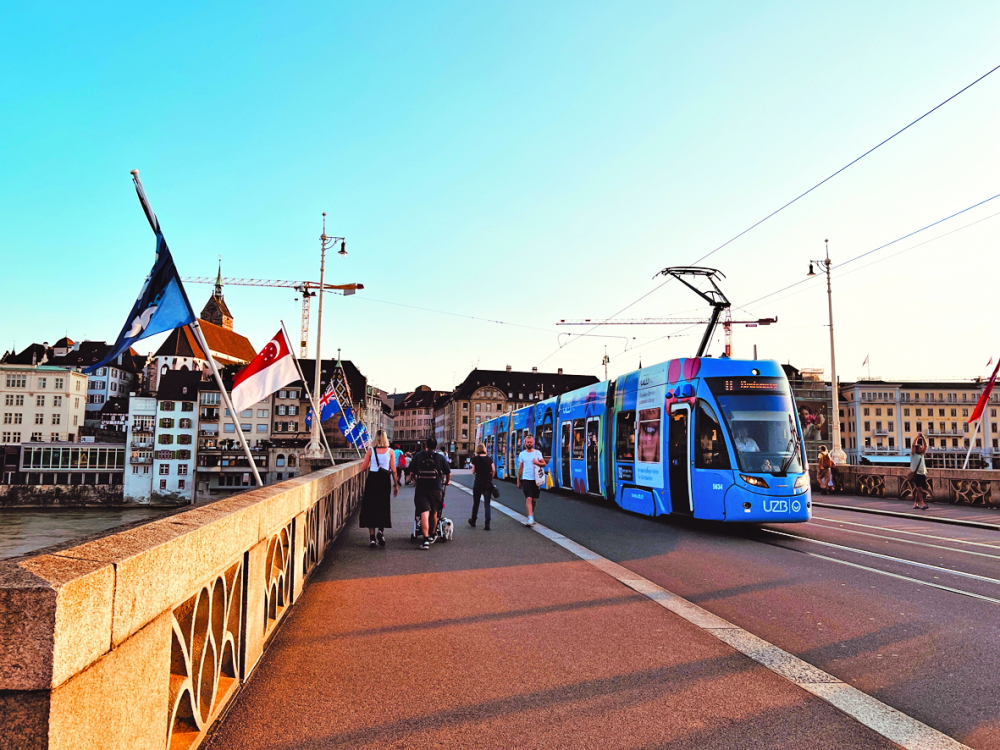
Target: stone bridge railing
<point>967,487</point>
<point>139,639</point>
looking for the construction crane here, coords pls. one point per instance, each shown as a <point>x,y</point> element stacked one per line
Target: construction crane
<point>306,288</point>
<point>714,296</point>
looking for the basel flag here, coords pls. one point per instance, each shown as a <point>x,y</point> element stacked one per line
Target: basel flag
<point>269,371</point>
<point>984,399</point>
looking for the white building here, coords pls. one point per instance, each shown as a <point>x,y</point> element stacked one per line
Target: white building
<point>41,404</point>
<point>140,442</point>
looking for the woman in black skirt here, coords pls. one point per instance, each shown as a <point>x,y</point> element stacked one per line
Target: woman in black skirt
<point>383,482</point>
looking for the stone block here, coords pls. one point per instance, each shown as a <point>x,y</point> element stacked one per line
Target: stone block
<point>24,720</point>
<point>122,701</point>
<point>27,629</point>
<point>162,563</point>
<point>85,593</point>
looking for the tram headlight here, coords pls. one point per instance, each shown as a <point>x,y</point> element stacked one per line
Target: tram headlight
<point>754,481</point>
<point>802,481</point>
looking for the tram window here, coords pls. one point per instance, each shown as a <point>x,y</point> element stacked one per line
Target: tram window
<point>625,436</point>
<point>710,448</point>
<point>649,436</point>
<point>502,444</point>
<point>543,438</point>
<point>579,438</point>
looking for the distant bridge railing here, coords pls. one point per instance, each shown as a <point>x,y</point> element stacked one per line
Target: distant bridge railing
<point>139,639</point>
<point>965,487</point>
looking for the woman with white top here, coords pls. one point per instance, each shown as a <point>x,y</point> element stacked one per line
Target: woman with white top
<point>381,485</point>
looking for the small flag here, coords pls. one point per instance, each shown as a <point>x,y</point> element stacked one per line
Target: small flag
<point>865,362</point>
<point>162,304</point>
<point>272,368</point>
<point>984,399</point>
<point>328,407</point>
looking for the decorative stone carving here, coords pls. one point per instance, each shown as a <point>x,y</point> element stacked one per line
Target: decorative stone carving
<point>278,577</point>
<point>205,656</point>
<point>972,492</point>
<point>906,487</point>
<point>871,485</point>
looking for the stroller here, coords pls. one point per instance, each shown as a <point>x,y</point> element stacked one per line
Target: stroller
<point>445,528</point>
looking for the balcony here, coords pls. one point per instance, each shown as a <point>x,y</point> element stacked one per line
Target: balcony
<point>138,460</point>
<point>141,429</point>
<point>142,444</point>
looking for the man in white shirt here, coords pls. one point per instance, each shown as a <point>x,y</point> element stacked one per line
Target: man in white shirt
<point>530,471</point>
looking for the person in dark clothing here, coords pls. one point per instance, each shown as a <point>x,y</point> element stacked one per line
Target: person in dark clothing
<point>482,487</point>
<point>429,469</point>
<point>380,463</point>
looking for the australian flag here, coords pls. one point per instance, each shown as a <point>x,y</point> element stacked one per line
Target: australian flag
<point>162,304</point>
<point>328,407</point>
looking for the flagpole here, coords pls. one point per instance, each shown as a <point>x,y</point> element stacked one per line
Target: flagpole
<point>154,223</point>
<point>316,412</point>
<point>979,423</point>
<point>200,335</point>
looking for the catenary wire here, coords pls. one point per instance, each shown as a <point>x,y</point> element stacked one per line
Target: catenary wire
<point>794,200</point>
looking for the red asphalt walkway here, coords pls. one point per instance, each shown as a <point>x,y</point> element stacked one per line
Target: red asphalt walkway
<point>502,639</point>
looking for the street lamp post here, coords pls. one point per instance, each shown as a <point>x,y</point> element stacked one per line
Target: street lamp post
<point>836,451</point>
<point>315,447</point>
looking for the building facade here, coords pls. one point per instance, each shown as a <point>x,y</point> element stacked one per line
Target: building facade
<point>882,419</point>
<point>413,420</point>
<point>41,404</point>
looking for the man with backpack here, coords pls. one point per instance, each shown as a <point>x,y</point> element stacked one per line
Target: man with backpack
<point>428,468</point>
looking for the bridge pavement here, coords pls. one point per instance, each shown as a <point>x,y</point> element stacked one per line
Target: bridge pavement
<point>503,639</point>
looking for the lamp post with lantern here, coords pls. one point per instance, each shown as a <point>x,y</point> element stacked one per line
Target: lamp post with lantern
<point>836,451</point>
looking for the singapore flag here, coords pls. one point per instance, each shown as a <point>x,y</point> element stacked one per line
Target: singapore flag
<point>269,371</point>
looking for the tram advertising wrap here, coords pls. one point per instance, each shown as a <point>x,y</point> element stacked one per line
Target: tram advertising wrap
<point>717,439</point>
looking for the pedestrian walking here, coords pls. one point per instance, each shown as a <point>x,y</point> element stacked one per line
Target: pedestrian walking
<point>530,471</point>
<point>382,484</point>
<point>825,471</point>
<point>482,486</point>
<point>918,473</point>
<point>429,470</point>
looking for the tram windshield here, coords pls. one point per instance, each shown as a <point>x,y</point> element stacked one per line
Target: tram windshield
<point>758,412</point>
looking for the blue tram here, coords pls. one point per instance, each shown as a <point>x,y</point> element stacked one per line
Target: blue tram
<point>716,439</point>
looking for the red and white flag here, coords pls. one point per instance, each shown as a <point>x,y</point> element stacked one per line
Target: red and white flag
<point>269,371</point>
<point>984,399</point>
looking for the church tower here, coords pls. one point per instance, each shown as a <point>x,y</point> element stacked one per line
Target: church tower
<point>215,310</point>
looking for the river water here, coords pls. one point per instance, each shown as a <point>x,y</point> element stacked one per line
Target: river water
<point>26,530</point>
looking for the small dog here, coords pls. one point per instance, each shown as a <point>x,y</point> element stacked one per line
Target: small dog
<point>446,529</point>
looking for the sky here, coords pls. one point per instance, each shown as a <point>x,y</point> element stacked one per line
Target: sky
<point>499,167</point>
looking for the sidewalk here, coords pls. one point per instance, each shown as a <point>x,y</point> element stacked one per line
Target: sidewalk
<point>502,639</point>
<point>940,512</point>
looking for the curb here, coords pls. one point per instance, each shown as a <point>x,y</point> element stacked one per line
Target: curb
<point>900,514</point>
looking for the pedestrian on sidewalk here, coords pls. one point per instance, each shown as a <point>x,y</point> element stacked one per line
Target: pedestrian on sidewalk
<point>482,487</point>
<point>825,471</point>
<point>530,468</point>
<point>382,483</point>
<point>918,473</point>
<point>428,469</point>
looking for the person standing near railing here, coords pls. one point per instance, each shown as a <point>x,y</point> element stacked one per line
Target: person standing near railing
<point>918,473</point>
<point>382,483</point>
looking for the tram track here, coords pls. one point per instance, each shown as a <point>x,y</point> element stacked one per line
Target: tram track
<point>893,560</point>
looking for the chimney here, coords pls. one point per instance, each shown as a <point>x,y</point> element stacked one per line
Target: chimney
<point>508,368</point>
<point>559,371</point>
<point>534,369</point>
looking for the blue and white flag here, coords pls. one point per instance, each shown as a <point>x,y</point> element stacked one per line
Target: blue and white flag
<point>329,406</point>
<point>162,304</point>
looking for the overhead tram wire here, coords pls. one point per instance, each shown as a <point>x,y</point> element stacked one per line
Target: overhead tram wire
<point>893,255</point>
<point>794,200</point>
<point>846,166</point>
<point>880,247</point>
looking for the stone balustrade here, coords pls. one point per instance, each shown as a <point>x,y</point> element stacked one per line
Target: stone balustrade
<point>139,639</point>
<point>966,487</point>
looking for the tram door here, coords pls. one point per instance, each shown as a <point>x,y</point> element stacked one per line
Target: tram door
<point>564,450</point>
<point>593,460</point>
<point>680,461</point>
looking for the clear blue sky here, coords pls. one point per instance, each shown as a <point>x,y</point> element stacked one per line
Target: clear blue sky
<point>523,162</point>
